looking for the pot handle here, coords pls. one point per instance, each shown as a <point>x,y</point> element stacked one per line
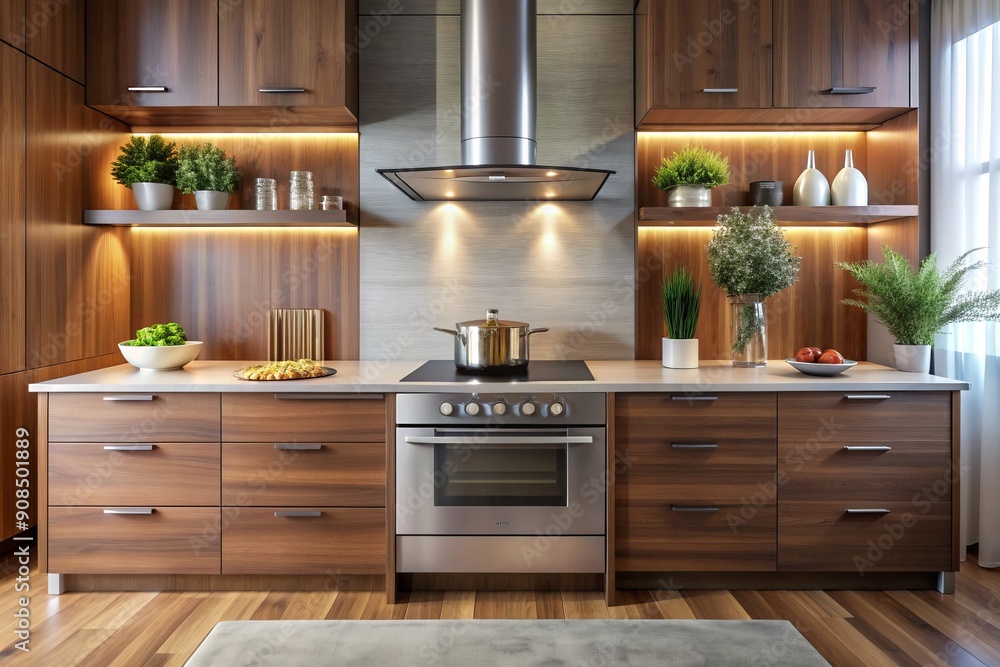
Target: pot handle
<point>447,331</point>
<point>538,330</point>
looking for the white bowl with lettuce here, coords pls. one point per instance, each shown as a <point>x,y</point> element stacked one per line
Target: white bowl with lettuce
<point>160,347</point>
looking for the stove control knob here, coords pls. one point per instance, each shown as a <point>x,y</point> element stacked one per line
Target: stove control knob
<point>527,408</point>
<point>447,409</point>
<point>556,409</point>
<point>499,408</point>
<point>472,409</point>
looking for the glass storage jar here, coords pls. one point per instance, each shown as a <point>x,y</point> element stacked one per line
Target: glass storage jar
<point>301,191</point>
<point>267,194</point>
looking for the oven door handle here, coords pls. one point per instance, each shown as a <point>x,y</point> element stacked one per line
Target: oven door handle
<point>502,440</point>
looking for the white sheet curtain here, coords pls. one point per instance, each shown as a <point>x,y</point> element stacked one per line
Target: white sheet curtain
<point>965,214</point>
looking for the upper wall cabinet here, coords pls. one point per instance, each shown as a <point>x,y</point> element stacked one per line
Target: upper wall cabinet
<point>842,53</point>
<point>714,54</point>
<point>12,23</point>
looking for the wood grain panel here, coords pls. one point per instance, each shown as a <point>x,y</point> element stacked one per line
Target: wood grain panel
<point>12,203</point>
<point>893,169</point>
<point>915,415</point>
<point>391,582</point>
<point>313,418</point>
<point>170,474</point>
<point>56,35</point>
<point>40,482</point>
<point>234,119</point>
<point>336,475</point>
<point>12,23</point>
<point>742,120</point>
<point>808,313</point>
<point>17,410</point>
<point>171,540</point>
<point>169,417</point>
<point>339,541</point>
<point>658,418</point>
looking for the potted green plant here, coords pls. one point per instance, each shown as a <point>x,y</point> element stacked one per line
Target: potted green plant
<point>681,305</point>
<point>915,305</point>
<point>751,260</point>
<point>688,176</point>
<point>147,167</point>
<point>206,172</point>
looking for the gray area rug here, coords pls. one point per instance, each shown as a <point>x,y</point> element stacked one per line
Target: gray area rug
<point>501,643</point>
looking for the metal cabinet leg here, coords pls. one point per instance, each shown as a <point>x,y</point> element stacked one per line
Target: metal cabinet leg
<point>57,584</point>
<point>946,583</point>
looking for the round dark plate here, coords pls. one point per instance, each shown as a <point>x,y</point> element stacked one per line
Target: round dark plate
<point>327,372</point>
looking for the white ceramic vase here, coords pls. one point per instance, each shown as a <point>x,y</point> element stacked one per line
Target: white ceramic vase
<point>680,353</point>
<point>850,188</point>
<point>153,196</point>
<point>912,358</point>
<point>811,188</point>
<point>211,200</point>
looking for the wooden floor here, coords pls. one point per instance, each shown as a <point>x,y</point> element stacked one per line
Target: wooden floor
<point>848,628</point>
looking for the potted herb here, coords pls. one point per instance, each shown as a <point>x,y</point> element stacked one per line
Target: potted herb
<point>147,167</point>
<point>915,305</point>
<point>681,304</point>
<point>207,172</point>
<point>750,259</point>
<point>688,176</point>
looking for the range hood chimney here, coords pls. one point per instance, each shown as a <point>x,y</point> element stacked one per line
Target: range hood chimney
<point>498,119</point>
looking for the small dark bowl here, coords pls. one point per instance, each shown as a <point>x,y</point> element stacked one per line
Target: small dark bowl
<point>765,193</point>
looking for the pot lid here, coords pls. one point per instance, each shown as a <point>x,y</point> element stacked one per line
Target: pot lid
<point>492,320</point>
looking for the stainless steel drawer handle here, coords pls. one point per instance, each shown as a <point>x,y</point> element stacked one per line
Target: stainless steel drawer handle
<point>147,89</point>
<point>694,508</point>
<point>129,510</point>
<point>694,445</point>
<point>131,397</point>
<point>868,397</point>
<point>857,90</point>
<point>720,90</point>
<point>291,446</point>
<point>502,440</point>
<point>298,513</point>
<point>327,397</point>
<point>867,510</point>
<point>128,448</point>
<point>282,90</point>
<point>867,448</point>
<point>694,398</point>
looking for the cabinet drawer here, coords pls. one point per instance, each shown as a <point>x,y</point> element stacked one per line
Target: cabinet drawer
<point>310,475</point>
<point>654,536</point>
<point>117,417</point>
<point>169,540</point>
<point>647,417</point>
<point>303,418</point>
<point>685,468</point>
<point>823,536</point>
<point>864,416</point>
<point>176,473</point>
<point>330,541</point>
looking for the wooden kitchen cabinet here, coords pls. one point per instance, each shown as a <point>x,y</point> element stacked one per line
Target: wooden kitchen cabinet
<point>829,53</point>
<point>125,417</point>
<point>12,22</point>
<point>310,417</point>
<point>12,208</point>
<point>54,34</point>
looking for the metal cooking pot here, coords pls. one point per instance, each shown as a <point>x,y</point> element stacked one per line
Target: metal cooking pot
<point>491,345</point>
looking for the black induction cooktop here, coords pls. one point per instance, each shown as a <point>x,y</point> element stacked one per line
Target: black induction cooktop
<point>536,371</point>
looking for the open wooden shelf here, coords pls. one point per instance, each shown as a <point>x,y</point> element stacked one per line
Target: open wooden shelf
<point>229,218</point>
<point>662,216</point>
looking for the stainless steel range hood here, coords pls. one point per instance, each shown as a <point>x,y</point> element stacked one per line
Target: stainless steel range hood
<point>498,119</point>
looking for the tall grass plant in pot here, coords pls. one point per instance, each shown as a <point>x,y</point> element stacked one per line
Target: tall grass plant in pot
<point>206,172</point>
<point>689,175</point>
<point>147,166</point>
<point>681,306</point>
<point>915,305</point>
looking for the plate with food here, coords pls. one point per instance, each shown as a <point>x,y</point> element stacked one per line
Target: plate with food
<point>814,361</point>
<point>303,369</point>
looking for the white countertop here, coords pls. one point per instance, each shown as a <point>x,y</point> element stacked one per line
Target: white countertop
<point>610,376</point>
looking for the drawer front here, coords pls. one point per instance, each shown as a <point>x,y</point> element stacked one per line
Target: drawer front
<point>823,536</point>
<point>332,541</point>
<point>653,536</point>
<point>117,417</point>
<point>686,468</point>
<point>167,474</point>
<point>303,475</point>
<point>648,417</point>
<point>303,418</point>
<point>884,469</point>
<point>849,417</point>
<point>170,540</point>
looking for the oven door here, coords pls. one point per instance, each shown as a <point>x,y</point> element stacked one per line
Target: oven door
<point>500,481</point>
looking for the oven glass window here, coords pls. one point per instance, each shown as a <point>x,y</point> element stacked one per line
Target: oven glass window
<point>500,475</point>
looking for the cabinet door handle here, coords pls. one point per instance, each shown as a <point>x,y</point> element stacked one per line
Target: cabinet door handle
<point>327,397</point>
<point>147,89</point>
<point>129,448</point>
<point>867,510</point>
<point>694,508</point>
<point>131,397</point>
<point>298,513</point>
<point>867,448</point>
<point>694,398</point>
<point>128,510</point>
<point>859,90</point>
<point>720,90</point>
<point>694,445</point>
<point>280,90</point>
<point>297,447</point>
<point>868,397</point>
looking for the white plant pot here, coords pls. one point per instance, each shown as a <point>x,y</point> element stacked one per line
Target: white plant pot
<point>912,358</point>
<point>850,188</point>
<point>811,188</point>
<point>211,200</point>
<point>680,353</point>
<point>153,196</point>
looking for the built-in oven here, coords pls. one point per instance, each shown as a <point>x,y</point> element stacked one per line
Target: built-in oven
<point>500,482</point>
